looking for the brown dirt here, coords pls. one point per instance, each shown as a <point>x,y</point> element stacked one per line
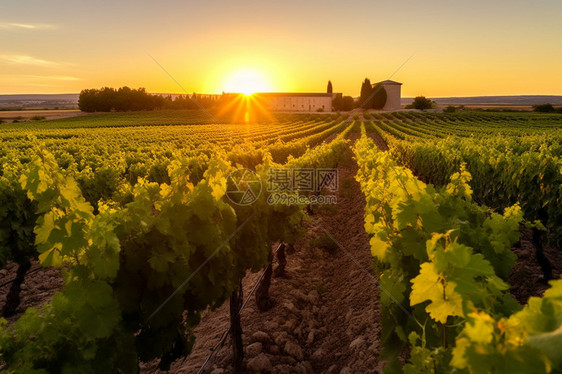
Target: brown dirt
<point>526,276</point>
<point>38,287</point>
<point>379,141</point>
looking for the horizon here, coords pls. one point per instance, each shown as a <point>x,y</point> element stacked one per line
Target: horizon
<point>469,49</point>
<point>240,93</point>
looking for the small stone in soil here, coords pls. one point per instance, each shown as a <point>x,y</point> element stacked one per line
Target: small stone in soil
<point>294,350</point>
<point>357,343</point>
<point>318,355</point>
<point>310,338</point>
<point>254,349</point>
<point>260,336</point>
<point>260,364</point>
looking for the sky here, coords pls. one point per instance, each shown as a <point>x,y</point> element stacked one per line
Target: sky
<point>436,48</point>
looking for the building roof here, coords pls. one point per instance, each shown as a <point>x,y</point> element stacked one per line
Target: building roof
<point>387,82</point>
<point>299,94</point>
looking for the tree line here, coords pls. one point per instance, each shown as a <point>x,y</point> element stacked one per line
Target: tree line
<point>125,99</point>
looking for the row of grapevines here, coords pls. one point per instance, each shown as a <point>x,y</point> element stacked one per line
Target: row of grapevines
<point>139,272</point>
<point>506,169</point>
<point>503,174</point>
<point>126,295</point>
<point>444,262</point>
<point>473,123</point>
<point>103,173</point>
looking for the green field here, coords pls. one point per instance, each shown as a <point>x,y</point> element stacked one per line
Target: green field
<point>129,204</point>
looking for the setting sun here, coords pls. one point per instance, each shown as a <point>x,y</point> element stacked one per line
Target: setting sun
<point>247,82</point>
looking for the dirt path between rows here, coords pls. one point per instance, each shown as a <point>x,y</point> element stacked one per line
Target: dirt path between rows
<point>326,315</point>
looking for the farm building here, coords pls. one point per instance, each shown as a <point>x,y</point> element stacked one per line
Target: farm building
<point>296,101</point>
<point>314,102</point>
<point>393,94</point>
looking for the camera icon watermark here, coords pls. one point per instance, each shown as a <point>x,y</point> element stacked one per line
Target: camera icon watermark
<point>243,187</point>
<point>285,186</point>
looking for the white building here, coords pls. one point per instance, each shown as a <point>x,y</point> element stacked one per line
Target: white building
<point>393,94</point>
<point>296,101</point>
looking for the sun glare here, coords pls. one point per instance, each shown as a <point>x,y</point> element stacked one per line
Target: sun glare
<point>246,82</point>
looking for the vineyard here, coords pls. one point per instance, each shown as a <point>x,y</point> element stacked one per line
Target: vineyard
<point>127,217</point>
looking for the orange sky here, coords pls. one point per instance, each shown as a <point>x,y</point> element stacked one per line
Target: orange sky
<point>459,48</point>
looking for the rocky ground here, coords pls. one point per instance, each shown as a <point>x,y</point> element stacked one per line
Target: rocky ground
<point>38,287</point>
<point>526,277</point>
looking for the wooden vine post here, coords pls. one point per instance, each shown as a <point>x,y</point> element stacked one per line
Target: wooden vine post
<point>236,300</point>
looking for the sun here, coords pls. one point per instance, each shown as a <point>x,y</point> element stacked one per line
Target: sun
<point>246,81</point>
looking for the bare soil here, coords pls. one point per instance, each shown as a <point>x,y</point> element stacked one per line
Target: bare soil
<point>39,286</point>
<point>526,276</point>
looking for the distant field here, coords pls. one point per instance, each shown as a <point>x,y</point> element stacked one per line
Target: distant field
<point>494,107</point>
<point>518,100</point>
<point>152,136</point>
<point>145,118</point>
<point>76,118</point>
<point>48,114</point>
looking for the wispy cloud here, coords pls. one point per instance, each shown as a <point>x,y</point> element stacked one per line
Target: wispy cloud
<point>34,80</point>
<point>30,60</point>
<point>54,77</point>
<point>25,26</point>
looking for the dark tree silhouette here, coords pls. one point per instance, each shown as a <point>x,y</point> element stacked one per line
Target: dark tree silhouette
<point>330,89</point>
<point>343,103</point>
<point>125,99</point>
<point>366,90</point>
<point>420,102</point>
<point>372,97</point>
<point>544,108</point>
<point>378,97</point>
<point>348,103</point>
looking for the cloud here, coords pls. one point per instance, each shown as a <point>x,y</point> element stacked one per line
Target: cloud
<point>25,26</point>
<point>34,80</point>
<point>53,77</point>
<point>30,60</point>
<point>21,83</point>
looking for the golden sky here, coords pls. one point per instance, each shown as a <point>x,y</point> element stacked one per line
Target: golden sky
<point>457,48</point>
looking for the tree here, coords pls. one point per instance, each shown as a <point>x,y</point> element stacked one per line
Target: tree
<point>343,103</point>
<point>337,103</point>
<point>420,102</point>
<point>348,103</point>
<point>544,108</point>
<point>378,97</point>
<point>330,90</point>
<point>372,97</point>
<point>366,91</point>
<point>87,100</point>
